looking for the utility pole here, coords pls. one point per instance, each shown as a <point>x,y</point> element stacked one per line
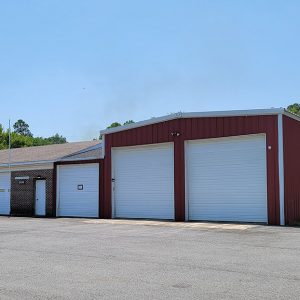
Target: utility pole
<point>9,153</point>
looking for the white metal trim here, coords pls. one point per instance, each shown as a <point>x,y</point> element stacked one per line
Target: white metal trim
<point>291,115</point>
<point>103,147</point>
<point>281,169</point>
<point>57,190</point>
<point>78,159</point>
<point>230,113</point>
<point>113,204</point>
<point>28,163</point>
<point>186,184</point>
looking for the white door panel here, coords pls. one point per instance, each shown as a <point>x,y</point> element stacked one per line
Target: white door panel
<point>40,198</point>
<point>144,181</point>
<point>78,190</point>
<point>226,179</point>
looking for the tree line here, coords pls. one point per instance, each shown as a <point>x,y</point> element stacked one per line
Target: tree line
<point>21,136</point>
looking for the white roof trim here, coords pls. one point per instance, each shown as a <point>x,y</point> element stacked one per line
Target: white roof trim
<point>291,115</point>
<point>229,113</point>
<point>79,159</point>
<point>28,163</point>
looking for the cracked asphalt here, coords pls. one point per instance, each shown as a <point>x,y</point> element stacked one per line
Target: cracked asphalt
<point>124,259</point>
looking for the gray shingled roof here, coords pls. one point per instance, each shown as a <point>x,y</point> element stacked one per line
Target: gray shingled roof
<point>44,153</point>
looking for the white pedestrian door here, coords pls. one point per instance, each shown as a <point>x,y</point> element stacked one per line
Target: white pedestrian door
<point>4,193</point>
<point>40,198</point>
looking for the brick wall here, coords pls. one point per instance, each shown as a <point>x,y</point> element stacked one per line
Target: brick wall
<point>23,195</point>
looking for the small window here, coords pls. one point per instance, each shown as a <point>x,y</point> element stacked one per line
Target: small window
<point>80,187</point>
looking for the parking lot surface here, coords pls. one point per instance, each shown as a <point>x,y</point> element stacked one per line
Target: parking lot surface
<point>123,259</point>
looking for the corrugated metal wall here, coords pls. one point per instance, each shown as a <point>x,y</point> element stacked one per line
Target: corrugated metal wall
<point>291,141</point>
<point>198,128</point>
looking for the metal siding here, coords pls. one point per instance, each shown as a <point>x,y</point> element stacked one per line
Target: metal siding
<point>206,127</point>
<point>179,176</point>
<point>291,151</point>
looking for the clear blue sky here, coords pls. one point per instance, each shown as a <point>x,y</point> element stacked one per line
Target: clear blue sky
<point>74,67</point>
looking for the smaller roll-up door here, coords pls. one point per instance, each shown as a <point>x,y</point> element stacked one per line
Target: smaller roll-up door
<point>78,190</point>
<point>226,179</point>
<point>4,193</point>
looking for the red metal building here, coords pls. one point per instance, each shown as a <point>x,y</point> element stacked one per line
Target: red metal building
<point>222,166</point>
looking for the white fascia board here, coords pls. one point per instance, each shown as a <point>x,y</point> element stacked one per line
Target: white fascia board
<point>235,113</point>
<point>103,147</point>
<point>28,163</point>
<point>230,113</point>
<point>78,159</point>
<point>281,169</point>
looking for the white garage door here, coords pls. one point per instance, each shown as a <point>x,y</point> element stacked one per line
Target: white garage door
<point>226,179</point>
<point>4,193</point>
<point>78,190</point>
<point>143,181</point>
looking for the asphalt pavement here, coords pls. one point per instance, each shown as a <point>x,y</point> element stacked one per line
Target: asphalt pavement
<point>124,259</point>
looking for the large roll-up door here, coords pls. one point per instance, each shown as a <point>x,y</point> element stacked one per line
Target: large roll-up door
<point>226,179</point>
<point>143,181</point>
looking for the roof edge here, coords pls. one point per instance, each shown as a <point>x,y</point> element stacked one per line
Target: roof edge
<point>38,162</point>
<point>291,115</point>
<point>91,148</point>
<point>228,113</point>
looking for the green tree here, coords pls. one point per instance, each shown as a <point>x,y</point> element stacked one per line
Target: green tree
<point>3,144</point>
<point>113,125</point>
<point>294,108</point>
<point>22,128</point>
<point>128,122</point>
<point>22,137</point>
<point>20,141</point>
<point>56,139</point>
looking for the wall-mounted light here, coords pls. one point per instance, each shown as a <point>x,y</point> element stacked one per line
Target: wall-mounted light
<point>175,133</point>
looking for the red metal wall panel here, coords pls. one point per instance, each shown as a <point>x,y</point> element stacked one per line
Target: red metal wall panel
<point>198,128</point>
<point>291,153</point>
